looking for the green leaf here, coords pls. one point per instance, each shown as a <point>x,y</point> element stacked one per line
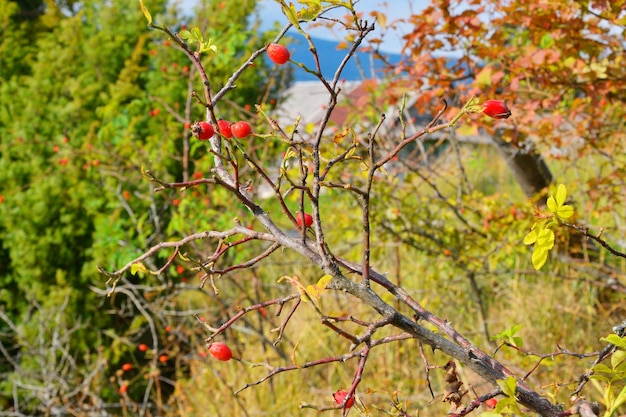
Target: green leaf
<point>185,34</point>
<point>601,368</point>
<point>313,8</point>
<point>197,34</point>
<point>621,399</point>
<point>614,339</point>
<point>508,386</point>
<point>291,14</point>
<point>546,41</point>
<point>146,13</point>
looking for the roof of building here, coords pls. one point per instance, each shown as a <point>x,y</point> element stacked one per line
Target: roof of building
<point>308,101</point>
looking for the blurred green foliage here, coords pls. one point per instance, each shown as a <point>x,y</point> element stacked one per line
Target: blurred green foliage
<point>88,97</point>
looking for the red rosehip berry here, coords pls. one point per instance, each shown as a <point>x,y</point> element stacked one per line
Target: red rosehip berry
<point>220,351</point>
<point>123,388</point>
<point>202,130</point>
<point>127,367</point>
<point>224,126</point>
<point>163,358</point>
<point>305,219</point>
<point>278,53</point>
<point>240,129</point>
<point>491,403</point>
<point>340,397</point>
<point>143,347</point>
<point>496,109</point>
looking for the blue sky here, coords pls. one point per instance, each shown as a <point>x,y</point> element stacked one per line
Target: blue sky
<point>270,12</point>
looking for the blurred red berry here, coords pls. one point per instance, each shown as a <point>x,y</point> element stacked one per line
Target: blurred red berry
<point>127,367</point>
<point>340,397</point>
<point>168,328</point>
<point>143,347</point>
<point>240,129</point>
<point>496,109</point>
<point>491,403</point>
<point>163,358</point>
<point>278,53</point>
<point>220,351</point>
<point>123,388</point>
<point>202,130</point>
<point>307,220</point>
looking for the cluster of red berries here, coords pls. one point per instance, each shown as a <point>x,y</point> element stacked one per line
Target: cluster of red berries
<point>205,130</point>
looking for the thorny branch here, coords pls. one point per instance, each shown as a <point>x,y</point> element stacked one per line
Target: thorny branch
<point>447,339</point>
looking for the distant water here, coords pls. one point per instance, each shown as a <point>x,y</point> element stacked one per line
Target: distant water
<point>361,66</point>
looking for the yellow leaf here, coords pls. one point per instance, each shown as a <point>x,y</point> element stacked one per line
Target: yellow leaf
<point>483,78</point>
<point>539,257</point>
<point>381,19</point>
<point>565,212</point>
<point>552,206</point>
<point>545,239</point>
<point>291,14</point>
<point>146,13</point>
<point>315,291</point>
<point>530,238</point>
<point>138,267</point>
<point>340,136</point>
<point>324,281</point>
<point>561,195</point>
